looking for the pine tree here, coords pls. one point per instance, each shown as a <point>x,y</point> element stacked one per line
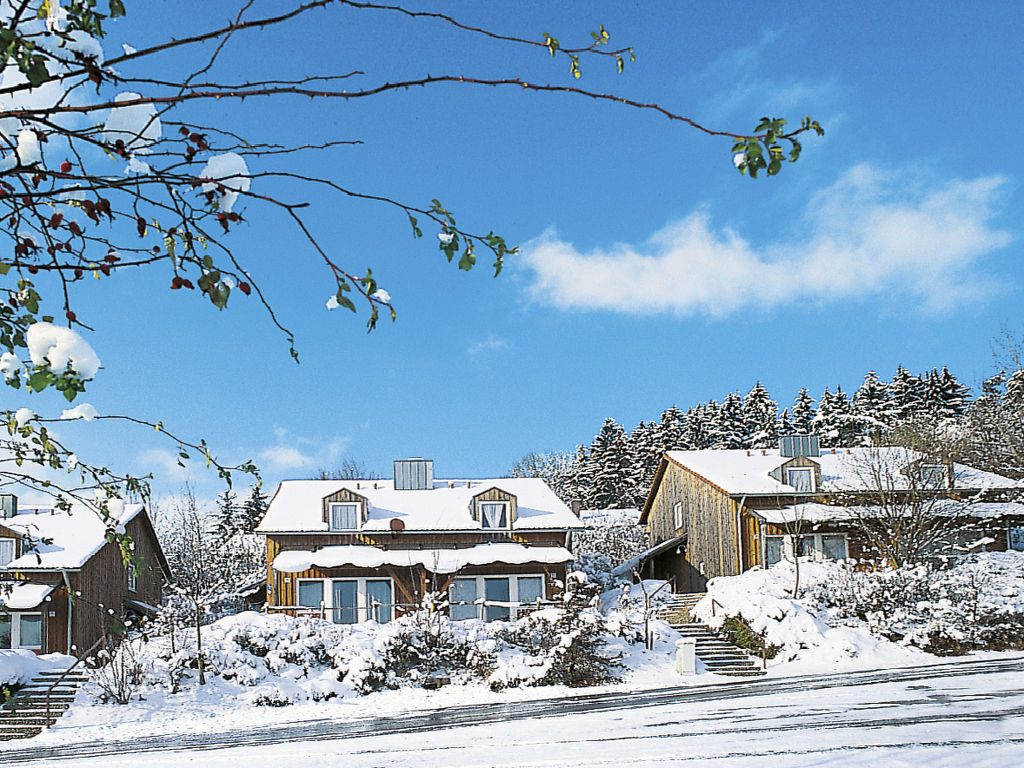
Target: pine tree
<point>955,396</point>
<point>608,466</point>
<point>825,425</point>
<point>785,425</point>
<point>1014,395</point>
<point>228,515</point>
<point>727,428</point>
<point>870,408</point>
<point>849,432</point>
<point>760,415</point>
<point>905,395</point>
<point>803,413</point>
<point>644,455</point>
<point>253,510</point>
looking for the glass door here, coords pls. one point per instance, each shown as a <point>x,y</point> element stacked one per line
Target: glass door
<point>346,594</point>
<point>378,600</point>
<point>496,590</point>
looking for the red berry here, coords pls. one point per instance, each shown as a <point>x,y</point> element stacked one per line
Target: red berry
<point>32,268</point>
<point>65,167</point>
<point>244,288</point>
<point>78,271</point>
<point>70,316</point>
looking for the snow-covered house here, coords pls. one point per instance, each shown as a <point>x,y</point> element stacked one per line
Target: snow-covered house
<point>720,512</point>
<point>63,585</point>
<point>359,550</point>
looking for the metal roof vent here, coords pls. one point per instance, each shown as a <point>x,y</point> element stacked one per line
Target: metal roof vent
<point>414,474</point>
<point>799,445</point>
<point>8,505</point>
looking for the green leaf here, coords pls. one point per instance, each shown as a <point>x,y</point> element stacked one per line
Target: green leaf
<point>116,8</point>
<point>39,381</point>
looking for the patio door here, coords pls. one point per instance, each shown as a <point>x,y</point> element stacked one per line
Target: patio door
<point>496,590</point>
<point>378,600</point>
<point>346,605</point>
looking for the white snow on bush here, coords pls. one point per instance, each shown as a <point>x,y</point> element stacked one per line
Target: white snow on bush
<point>137,125</point>
<point>228,175</point>
<point>23,416</point>
<point>58,347</point>
<point>83,411</point>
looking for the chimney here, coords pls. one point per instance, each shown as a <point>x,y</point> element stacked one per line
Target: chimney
<point>576,506</point>
<point>8,505</point>
<point>414,474</point>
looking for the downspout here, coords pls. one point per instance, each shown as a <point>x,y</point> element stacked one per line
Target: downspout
<point>67,584</point>
<point>739,536</point>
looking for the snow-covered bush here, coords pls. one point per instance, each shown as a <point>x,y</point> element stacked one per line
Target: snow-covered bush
<point>611,537</point>
<point>977,602</point>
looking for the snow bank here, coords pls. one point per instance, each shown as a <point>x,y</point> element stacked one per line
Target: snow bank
<point>19,666</point>
<point>883,618</point>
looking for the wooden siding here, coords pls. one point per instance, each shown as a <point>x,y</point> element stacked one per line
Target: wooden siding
<point>344,496</point>
<point>709,521</point>
<point>495,494</point>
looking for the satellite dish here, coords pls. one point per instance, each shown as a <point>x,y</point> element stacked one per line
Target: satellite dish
<point>397,525</point>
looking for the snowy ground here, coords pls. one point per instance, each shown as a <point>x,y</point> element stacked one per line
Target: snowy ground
<point>964,712</point>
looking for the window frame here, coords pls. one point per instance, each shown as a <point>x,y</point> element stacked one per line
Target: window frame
<point>810,473</point>
<point>363,607</point>
<point>507,514</point>
<point>14,550</point>
<point>677,515</point>
<point>817,546</point>
<point>926,472</point>
<point>15,619</point>
<point>513,593</point>
<point>133,579</point>
<point>332,506</point>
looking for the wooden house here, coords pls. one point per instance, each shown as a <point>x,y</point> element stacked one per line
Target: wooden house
<point>720,512</point>
<point>360,550</point>
<point>63,585</point>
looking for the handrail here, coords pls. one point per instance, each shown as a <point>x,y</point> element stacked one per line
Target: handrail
<point>60,679</point>
<point>764,646</point>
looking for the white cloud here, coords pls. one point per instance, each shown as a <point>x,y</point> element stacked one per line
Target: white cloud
<point>491,344</point>
<point>280,457</point>
<point>872,233</point>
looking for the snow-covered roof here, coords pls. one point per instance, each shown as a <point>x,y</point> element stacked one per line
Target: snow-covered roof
<point>818,513</point>
<point>434,560</point>
<point>842,469</point>
<point>63,539</point>
<point>21,596</point>
<point>298,505</point>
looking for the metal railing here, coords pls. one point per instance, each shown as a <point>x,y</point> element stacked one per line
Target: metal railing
<point>739,619</point>
<point>105,640</point>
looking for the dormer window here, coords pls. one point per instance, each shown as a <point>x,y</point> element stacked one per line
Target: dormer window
<point>801,478</point>
<point>494,514</point>
<point>344,517</point>
<point>6,551</point>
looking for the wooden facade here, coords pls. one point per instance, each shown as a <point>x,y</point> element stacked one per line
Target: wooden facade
<point>83,598</point>
<point>711,532</point>
<point>410,583</point>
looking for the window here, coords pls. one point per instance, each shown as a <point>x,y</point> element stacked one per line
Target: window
<point>132,579</point>
<point>773,549</point>
<point>344,517</point>
<point>21,630</point>
<point>493,514</point>
<point>824,546</point>
<point>6,551</point>
<point>503,592</point>
<point>677,515</point>
<point>801,479</point>
<point>311,593</point>
<point>349,601</point>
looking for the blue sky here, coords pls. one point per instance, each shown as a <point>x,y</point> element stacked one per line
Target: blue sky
<point>651,273</point>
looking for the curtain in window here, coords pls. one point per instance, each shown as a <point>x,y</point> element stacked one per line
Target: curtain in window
<point>772,549</point>
<point>493,515</point>
<point>800,479</point>
<point>530,589</point>
<point>834,546</point>
<point>462,591</point>
<point>344,517</point>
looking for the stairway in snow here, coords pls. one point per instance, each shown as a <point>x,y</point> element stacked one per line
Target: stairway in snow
<point>24,716</point>
<point>718,655</point>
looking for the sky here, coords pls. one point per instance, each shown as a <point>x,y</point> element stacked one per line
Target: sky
<point>650,273</point>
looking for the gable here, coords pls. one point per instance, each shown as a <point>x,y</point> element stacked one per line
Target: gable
<point>494,494</point>
<point>797,462</point>
<point>344,496</point>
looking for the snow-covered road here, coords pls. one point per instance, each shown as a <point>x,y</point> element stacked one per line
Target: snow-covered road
<point>958,713</point>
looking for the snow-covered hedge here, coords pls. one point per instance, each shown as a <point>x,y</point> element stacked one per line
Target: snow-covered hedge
<point>977,602</point>
<point>285,660</point>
